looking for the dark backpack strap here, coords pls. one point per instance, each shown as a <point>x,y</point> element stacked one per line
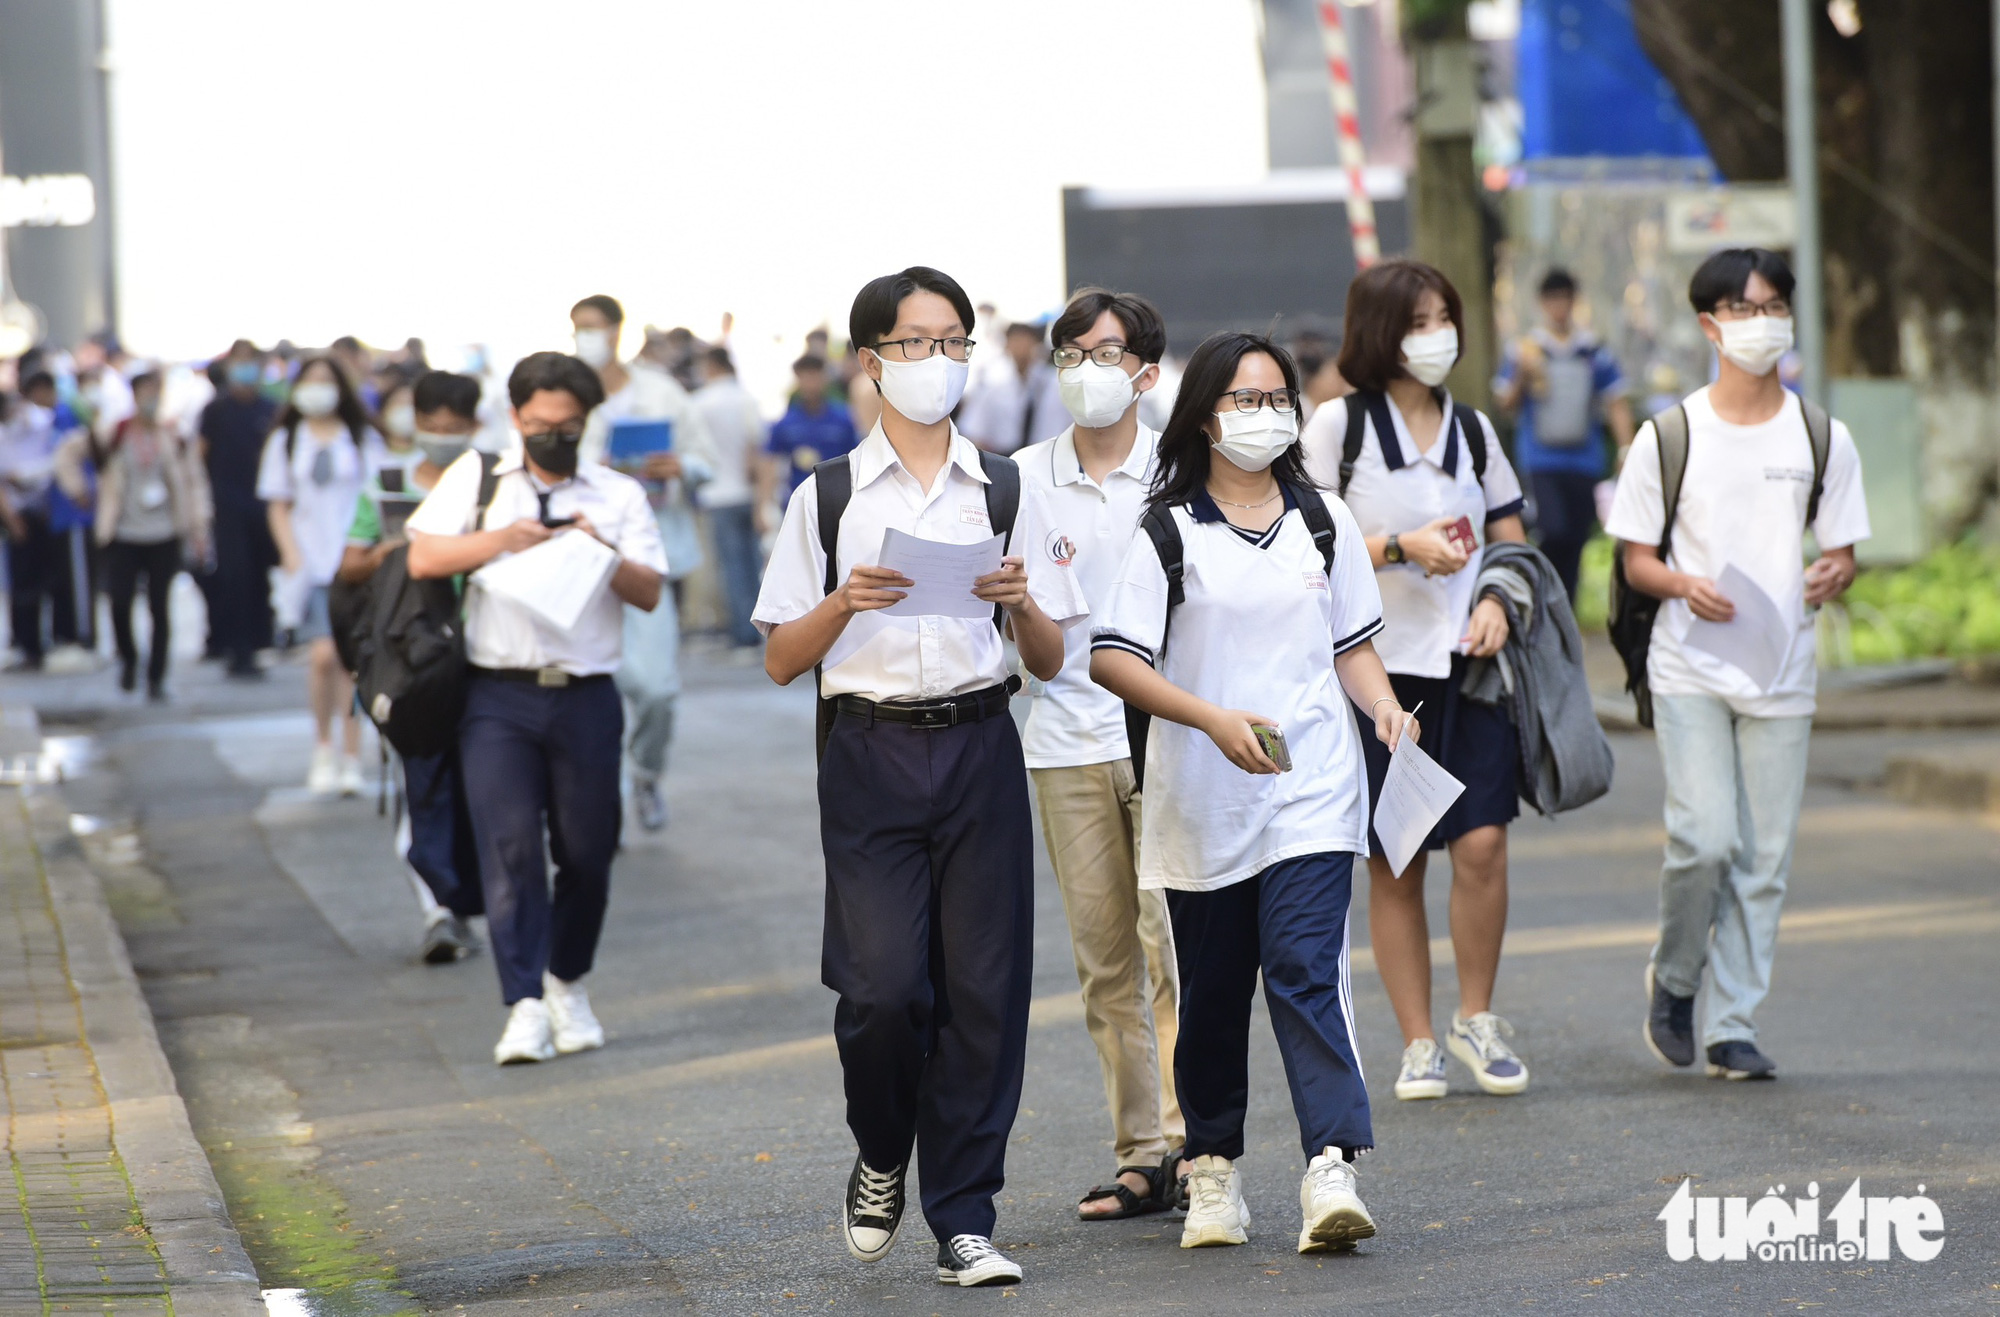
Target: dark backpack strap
<point>1318,519</point>
<point>1003,506</point>
<point>833,488</point>
<point>1473,435</point>
<point>1350,447</point>
<point>1157,521</point>
<point>1819,430</point>
<point>489,480</point>
<point>1670,427</point>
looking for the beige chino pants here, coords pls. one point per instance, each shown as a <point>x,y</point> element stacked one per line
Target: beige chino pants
<point>1124,947</point>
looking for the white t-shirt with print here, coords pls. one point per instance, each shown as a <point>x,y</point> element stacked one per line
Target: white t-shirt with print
<point>1743,501</point>
<point>1258,629</point>
<point>322,509</point>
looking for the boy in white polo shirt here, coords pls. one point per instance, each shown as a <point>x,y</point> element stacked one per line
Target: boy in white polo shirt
<point>1758,469</point>
<point>1095,476</point>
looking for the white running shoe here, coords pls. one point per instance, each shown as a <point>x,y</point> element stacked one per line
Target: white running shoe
<point>352,783</point>
<point>526,1037</point>
<point>576,1028</point>
<point>1216,1212</point>
<point>1422,1075</point>
<point>1477,1042</point>
<point>1335,1219</point>
<point>323,778</point>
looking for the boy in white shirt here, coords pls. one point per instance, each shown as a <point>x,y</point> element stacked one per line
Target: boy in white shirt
<point>1734,750</point>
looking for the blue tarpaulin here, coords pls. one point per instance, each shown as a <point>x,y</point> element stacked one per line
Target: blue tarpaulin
<point>1587,89</point>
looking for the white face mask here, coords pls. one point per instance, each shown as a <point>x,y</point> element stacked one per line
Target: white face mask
<point>1756,343</point>
<point>925,391</point>
<point>1254,440</point>
<point>594,347</point>
<point>442,449</point>
<point>1096,395</point>
<point>1430,357</point>
<point>400,422</point>
<point>316,399</point>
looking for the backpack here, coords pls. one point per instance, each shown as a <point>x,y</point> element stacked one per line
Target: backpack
<point>833,482</point>
<point>1158,523</point>
<point>1362,405</point>
<point>407,644</point>
<point>1632,612</point>
<point>1563,414</point>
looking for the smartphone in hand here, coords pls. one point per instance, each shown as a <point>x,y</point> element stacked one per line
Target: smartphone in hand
<point>1275,749</point>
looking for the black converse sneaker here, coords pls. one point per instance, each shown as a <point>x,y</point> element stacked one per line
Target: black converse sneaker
<point>874,1211</point>
<point>972,1260</point>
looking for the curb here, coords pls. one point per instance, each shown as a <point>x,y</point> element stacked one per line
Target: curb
<point>208,1271</point>
<point>1954,777</point>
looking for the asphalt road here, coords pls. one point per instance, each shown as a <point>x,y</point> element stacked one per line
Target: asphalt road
<point>371,1149</point>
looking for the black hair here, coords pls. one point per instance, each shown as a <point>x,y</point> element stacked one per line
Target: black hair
<point>1558,282</point>
<point>1025,327</point>
<point>151,377</point>
<point>1185,449</point>
<point>1724,276</point>
<point>1145,331</point>
<point>554,372</point>
<point>440,390</point>
<point>808,362</point>
<point>36,381</point>
<point>876,305</point>
<point>347,343</point>
<point>349,409</point>
<point>719,358</point>
<point>605,305</point>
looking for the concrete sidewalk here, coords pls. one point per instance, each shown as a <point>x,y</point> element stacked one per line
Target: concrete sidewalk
<point>117,1209</point>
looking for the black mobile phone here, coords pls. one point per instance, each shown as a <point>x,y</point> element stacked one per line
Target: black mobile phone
<point>557,523</point>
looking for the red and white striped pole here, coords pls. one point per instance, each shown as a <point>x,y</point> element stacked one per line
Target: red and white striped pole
<point>1347,125</point>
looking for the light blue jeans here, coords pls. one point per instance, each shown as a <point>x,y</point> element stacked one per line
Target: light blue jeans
<point>649,677</point>
<point>1733,789</point>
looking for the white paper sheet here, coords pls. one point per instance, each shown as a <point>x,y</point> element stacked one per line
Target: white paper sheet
<point>943,574</point>
<point>555,580</point>
<point>1415,795</point>
<point>1757,642</point>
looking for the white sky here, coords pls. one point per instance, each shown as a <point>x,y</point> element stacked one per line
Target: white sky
<point>464,170</point>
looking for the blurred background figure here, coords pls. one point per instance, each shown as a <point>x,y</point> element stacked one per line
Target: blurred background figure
<point>1016,402</point>
<point>815,426</point>
<point>27,474</point>
<point>736,428</point>
<point>232,431</point>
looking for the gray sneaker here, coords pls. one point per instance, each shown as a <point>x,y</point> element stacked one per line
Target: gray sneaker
<point>447,940</point>
<point>1669,1031</point>
<point>651,805</point>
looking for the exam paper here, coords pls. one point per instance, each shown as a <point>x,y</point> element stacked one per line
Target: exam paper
<point>555,580</point>
<point>1760,638</point>
<point>1415,795</point>
<point>943,574</point>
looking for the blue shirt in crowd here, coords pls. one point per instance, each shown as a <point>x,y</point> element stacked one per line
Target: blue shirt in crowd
<point>804,438</point>
<point>1606,380</point>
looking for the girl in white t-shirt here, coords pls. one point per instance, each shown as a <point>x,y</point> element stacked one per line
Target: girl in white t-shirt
<point>1427,465</point>
<point>1256,862</point>
<point>320,454</point>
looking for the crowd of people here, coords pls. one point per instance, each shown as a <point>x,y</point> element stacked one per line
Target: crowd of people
<point>1230,586</point>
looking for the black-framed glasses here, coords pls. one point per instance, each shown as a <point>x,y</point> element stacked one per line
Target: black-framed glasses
<point>958,348</point>
<point>1777,308</point>
<point>1104,354</point>
<point>1249,400</point>
<point>565,436</point>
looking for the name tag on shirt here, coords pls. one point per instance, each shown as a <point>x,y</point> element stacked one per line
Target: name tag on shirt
<point>1315,580</point>
<point>972,514</point>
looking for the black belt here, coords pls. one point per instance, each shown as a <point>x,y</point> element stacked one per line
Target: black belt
<point>551,677</point>
<point>971,707</point>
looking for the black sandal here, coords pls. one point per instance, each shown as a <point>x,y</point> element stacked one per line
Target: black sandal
<point>1159,1193</point>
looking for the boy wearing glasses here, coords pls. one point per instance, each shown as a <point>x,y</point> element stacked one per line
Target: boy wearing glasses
<point>1095,476</point>
<point>1754,468</point>
<point>923,795</point>
<point>543,722</point>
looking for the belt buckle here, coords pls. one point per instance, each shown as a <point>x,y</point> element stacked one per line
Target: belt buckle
<point>551,677</point>
<point>936,716</point>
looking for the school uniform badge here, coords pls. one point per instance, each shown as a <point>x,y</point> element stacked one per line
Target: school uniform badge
<point>1062,549</point>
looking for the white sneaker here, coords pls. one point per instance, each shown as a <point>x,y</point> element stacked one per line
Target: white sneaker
<point>1216,1212</point>
<point>576,1028</point>
<point>1335,1219</point>
<point>526,1037</point>
<point>1477,1042</point>
<point>323,778</point>
<point>1422,1075</point>
<point>351,781</point>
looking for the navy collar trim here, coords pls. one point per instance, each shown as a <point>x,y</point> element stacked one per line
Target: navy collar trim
<point>1390,441</point>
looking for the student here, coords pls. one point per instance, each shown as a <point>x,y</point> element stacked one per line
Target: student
<point>1271,629</point>
<point>736,429</point>
<point>28,443</point>
<point>1759,469</point>
<point>1565,390</point>
<point>436,838</point>
<point>923,795</point>
<point>233,429</point>
<point>815,427</point>
<point>1095,476</point>
<point>318,456</point>
<point>543,723</point>
<point>1411,463</point>
<point>1014,403</point>
<point>650,676</point>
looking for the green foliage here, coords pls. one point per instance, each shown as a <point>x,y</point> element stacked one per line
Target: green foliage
<point>1593,586</point>
<point>1946,605</point>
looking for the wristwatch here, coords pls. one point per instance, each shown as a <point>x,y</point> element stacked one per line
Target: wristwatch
<point>1393,551</point>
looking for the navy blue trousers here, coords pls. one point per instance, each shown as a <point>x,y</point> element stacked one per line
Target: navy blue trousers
<point>1290,921</point>
<point>532,755</point>
<point>1565,516</point>
<point>930,944</point>
<point>443,849</point>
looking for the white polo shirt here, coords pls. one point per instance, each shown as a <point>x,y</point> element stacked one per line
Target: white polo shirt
<point>1394,491</point>
<point>502,634</point>
<point>911,658</point>
<point>1743,501</point>
<point>1073,720</point>
<point>1258,630</point>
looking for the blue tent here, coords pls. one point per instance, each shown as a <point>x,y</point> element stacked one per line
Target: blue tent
<point>1587,89</point>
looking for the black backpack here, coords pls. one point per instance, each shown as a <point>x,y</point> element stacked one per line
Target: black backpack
<point>1158,523</point>
<point>1362,405</point>
<point>1632,612</point>
<point>407,643</point>
<point>833,482</point>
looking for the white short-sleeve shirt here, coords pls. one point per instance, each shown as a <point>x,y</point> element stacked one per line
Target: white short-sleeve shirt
<point>1258,630</point>
<point>322,482</point>
<point>880,657</point>
<point>500,633</point>
<point>1073,720</point>
<point>1743,501</point>
<point>1395,490</point>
